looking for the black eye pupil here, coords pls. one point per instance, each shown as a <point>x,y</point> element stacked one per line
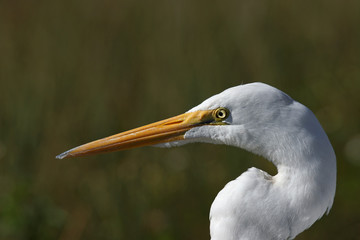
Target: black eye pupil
<point>221,114</point>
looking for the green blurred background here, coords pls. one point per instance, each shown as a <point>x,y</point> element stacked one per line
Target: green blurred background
<point>75,71</point>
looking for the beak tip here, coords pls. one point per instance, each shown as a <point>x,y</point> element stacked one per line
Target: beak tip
<point>63,155</point>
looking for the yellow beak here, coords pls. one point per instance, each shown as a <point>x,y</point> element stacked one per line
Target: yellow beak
<point>171,129</point>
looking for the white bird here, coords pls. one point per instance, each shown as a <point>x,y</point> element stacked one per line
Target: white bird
<point>265,121</point>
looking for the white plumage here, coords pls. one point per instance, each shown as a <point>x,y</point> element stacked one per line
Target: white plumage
<point>267,122</point>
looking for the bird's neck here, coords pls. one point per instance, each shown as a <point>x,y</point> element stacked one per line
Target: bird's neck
<point>307,176</point>
<point>307,160</point>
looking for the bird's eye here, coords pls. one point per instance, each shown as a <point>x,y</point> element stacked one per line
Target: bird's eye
<point>221,114</point>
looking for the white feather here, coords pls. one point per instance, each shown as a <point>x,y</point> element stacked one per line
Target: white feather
<point>266,121</point>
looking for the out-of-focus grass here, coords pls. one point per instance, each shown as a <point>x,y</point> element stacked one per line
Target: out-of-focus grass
<point>74,71</point>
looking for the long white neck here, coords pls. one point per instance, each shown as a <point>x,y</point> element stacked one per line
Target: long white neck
<point>306,177</point>
<point>308,187</point>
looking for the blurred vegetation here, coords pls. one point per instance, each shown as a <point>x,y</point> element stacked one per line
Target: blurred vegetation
<point>75,71</point>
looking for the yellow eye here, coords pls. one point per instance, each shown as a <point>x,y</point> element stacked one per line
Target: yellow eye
<point>221,114</point>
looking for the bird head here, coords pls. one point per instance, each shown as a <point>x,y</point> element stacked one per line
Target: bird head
<point>239,116</point>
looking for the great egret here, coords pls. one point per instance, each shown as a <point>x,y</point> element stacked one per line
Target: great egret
<point>263,120</point>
